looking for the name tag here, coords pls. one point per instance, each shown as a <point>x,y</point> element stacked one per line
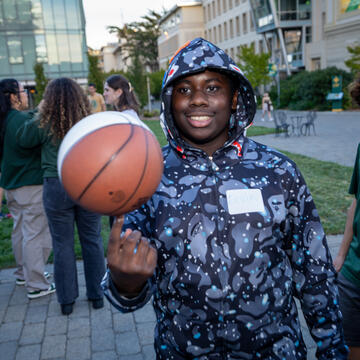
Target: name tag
<point>241,201</point>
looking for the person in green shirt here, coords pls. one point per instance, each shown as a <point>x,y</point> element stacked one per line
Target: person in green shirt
<point>64,104</point>
<point>347,262</point>
<point>21,178</point>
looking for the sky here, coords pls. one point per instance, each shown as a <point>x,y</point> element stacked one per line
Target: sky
<point>101,13</point>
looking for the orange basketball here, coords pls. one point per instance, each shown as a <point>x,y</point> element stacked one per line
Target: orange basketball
<point>110,162</point>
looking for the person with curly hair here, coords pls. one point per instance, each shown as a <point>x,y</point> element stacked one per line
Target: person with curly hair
<point>64,104</point>
<point>21,177</point>
<point>347,261</point>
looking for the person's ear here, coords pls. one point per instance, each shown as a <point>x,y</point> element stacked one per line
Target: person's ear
<point>14,99</point>
<point>234,100</point>
<point>118,92</point>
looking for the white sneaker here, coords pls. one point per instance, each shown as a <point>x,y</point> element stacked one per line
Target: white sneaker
<point>271,119</point>
<point>23,282</point>
<point>262,119</point>
<point>39,293</point>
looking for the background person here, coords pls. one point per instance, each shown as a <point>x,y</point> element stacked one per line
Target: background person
<point>64,104</point>
<point>119,94</point>
<point>347,262</point>
<point>266,107</point>
<point>230,237</point>
<point>96,100</point>
<point>21,178</point>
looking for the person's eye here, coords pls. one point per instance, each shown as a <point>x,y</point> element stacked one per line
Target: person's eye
<point>212,88</point>
<point>183,90</point>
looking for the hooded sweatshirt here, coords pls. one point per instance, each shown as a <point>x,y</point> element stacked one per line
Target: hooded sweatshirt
<point>238,237</point>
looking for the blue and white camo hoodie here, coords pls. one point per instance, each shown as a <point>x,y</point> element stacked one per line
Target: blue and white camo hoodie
<point>238,237</point>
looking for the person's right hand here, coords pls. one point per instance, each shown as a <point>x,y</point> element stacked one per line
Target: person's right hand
<point>338,262</point>
<point>131,259</point>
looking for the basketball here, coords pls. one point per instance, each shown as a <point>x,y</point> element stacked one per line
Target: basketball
<point>110,162</point>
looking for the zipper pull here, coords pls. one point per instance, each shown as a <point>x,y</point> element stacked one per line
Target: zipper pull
<point>213,165</point>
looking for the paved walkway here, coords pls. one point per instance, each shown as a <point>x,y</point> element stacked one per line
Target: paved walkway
<point>35,329</point>
<point>336,140</point>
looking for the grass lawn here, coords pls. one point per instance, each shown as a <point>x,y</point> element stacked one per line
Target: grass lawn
<point>327,181</point>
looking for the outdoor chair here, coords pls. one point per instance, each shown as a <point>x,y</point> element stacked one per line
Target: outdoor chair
<point>309,123</point>
<point>280,123</point>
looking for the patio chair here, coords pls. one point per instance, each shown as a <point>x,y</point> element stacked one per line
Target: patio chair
<point>309,123</point>
<point>280,123</point>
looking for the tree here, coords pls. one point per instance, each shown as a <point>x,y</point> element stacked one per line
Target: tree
<point>354,62</point>
<point>156,83</point>
<point>95,75</point>
<point>141,39</point>
<point>137,79</point>
<point>40,82</point>
<point>255,66</point>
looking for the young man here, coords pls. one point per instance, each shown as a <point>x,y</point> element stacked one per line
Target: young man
<point>348,258</point>
<point>96,100</point>
<point>231,235</point>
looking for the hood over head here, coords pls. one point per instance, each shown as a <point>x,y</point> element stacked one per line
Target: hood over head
<point>197,56</point>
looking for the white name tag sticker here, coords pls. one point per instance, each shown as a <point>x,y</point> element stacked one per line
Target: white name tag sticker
<point>241,201</point>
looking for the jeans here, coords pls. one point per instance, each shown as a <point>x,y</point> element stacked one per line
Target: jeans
<point>62,214</point>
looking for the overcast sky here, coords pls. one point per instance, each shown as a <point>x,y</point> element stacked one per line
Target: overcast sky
<point>101,13</point>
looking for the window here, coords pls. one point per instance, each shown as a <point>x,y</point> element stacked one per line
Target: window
<point>15,50</point>
<point>210,35</point>
<point>205,35</point>
<point>220,33</point>
<point>230,4</point>
<point>231,26</point>
<point>244,21</point>
<point>261,46</point>
<point>213,9</point>
<point>237,21</point>
<point>251,23</point>
<point>40,48</point>
<point>224,5</point>
<point>204,11</point>
<point>218,7</point>
<point>9,9</point>
<point>225,31</point>
<point>209,12</point>
<point>232,53</point>
<point>237,2</point>
<point>315,64</point>
<point>215,35</point>
<point>308,34</point>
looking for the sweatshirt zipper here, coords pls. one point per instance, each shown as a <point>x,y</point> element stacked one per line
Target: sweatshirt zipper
<point>214,169</point>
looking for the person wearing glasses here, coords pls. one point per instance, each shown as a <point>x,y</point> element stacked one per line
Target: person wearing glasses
<point>21,178</point>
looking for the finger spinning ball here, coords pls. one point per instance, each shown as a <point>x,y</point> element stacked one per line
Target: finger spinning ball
<point>110,162</point>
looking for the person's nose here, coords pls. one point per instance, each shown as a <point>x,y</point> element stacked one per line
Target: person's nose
<point>199,98</point>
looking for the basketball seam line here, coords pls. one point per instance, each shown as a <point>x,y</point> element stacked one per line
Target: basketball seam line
<point>113,156</point>
<point>142,175</point>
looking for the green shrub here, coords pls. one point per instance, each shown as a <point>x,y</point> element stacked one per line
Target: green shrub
<point>307,90</point>
<point>150,114</point>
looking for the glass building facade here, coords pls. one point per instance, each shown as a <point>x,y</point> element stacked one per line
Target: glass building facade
<point>48,31</point>
<point>287,24</point>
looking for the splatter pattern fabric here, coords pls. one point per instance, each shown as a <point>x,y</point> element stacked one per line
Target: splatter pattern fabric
<point>238,237</point>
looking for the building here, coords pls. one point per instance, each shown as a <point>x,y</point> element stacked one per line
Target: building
<point>183,22</point>
<point>229,24</point>
<point>48,31</point>
<point>336,25</point>
<point>114,57</point>
<point>286,27</point>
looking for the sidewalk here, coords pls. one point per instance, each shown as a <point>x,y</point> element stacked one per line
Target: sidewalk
<point>337,137</point>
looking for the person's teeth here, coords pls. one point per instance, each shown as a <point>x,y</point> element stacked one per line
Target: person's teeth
<point>199,118</point>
